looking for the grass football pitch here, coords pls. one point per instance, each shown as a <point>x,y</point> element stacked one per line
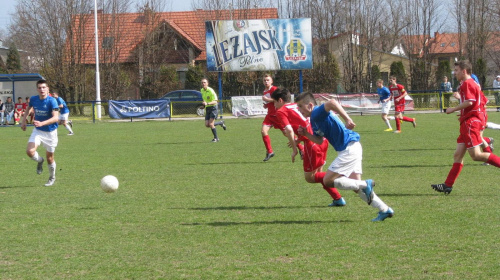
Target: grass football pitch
<point>191,209</point>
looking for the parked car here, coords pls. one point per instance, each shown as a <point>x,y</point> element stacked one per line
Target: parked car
<point>186,102</point>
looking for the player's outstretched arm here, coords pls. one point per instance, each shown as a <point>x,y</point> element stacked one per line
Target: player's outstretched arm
<point>333,105</point>
<point>23,120</point>
<point>291,139</point>
<point>315,138</point>
<point>463,105</point>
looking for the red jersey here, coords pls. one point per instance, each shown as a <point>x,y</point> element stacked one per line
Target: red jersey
<point>271,110</point>
<point>470,91</point>
<point>25,106</point>
<point>19,106</point>
<point>289,115</point>
<point>396,92</point>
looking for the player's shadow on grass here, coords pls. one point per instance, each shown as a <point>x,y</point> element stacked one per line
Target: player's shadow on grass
<point>235,162</point>
<point>408,194</point>
<point>416,150</point>
<point>408,166</point>
<point>15,187</point>
<point>176,143</point>
<point>224,208</point>
<point>225,224</point>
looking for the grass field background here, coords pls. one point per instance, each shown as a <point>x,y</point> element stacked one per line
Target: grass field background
<point>191,209</point>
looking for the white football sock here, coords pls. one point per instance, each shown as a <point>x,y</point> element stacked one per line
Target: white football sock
<point>345,183</point>
<point>68,128</point>
<point>376,201</point>
<point>391,118</point>
<point>492,125</point>
<point>36,157</point>
<point>52,169</point>
<point>388,123</point>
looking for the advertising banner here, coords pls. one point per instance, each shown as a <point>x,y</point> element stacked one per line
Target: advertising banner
<point>147,109</point>
<point>360,102</point>
<point>259,45</point>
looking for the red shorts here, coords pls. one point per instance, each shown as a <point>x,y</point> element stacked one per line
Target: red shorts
<point>399,107</point>
<point>271,120</point>
<point>470,133</point>
<point>314,155</point>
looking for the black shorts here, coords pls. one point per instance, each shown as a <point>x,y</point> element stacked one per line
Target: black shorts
<point>211,112</point>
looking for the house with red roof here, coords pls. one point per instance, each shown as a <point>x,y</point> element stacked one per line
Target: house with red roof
<point>143,41</point>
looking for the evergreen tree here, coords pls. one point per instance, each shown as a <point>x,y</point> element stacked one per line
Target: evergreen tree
<point>398,70</point>
<point>444,69</point>
<point>194,76</point>
<point>480,69</point>
<point>3,68</point>
<point>13,60</point>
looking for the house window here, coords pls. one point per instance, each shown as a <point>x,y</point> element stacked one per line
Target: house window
<point>452,44</point>
<point>107,42</point>
<point>443,44</point>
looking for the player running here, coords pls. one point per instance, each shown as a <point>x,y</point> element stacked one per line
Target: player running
<point>314,155</point>
<point>64,113</point>
<point>399,93</point>
<point>385,102</point>
<point>471,123</point>
<point>45,131</point>
<point>270,119</point>
<point>210,102</point>
<point>345,171</point>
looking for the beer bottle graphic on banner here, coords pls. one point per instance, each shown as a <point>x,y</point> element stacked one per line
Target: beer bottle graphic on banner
<point>245,45</point>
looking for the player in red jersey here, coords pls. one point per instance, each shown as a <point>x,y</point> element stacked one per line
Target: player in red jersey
<point>398,92</point>
<point>18,113</point>
<point>471,123</point>
<point>314,155</point>
<point>270,119</point>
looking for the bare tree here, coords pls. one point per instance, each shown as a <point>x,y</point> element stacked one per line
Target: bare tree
<point>44,36</point>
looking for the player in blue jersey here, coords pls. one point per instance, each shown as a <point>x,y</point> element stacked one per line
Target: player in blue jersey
<point>63,113</point>
<point>385,101</point>
<point>345,171</point>
<point>45,131</point>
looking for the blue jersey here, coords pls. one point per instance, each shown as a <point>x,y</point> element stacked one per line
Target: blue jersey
<point>383,93</point>
<point>328,125</point>
<point>43,111</point>
<point>64,109</point>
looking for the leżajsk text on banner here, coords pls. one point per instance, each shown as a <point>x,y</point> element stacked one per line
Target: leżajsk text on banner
<point>259,45</point>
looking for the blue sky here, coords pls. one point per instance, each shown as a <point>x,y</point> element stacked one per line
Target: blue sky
<point>8,8</point>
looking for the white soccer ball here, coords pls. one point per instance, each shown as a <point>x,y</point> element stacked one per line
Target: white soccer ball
<point>109,183</point>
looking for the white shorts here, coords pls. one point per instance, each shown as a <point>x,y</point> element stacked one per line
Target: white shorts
<point>64,117</point>
<point>386,107</point>
<point>48,139</point>
<point>349,160</point>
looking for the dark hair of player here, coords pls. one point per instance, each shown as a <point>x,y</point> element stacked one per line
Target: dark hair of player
<point>284,94</point>
<point>306,97</point>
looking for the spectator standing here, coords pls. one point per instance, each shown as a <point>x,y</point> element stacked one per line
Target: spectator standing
<point>446,91</point>
<point>1,111</point>
<point>496,86</point>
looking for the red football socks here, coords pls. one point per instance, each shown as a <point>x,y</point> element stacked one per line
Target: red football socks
<point>453,175</point>
<point>494,160</point>
<point>267,143</point>
<point>333,192</point>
